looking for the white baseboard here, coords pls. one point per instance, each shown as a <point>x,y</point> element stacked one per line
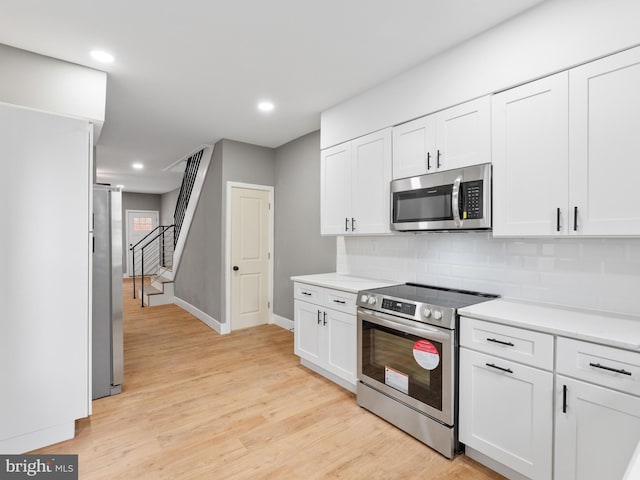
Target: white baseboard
<point>283,322</point>
<point>221,328</point>
<point>39,439</point>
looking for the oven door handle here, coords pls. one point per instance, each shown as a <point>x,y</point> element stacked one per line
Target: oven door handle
<point>405,326</point>
<point>455,201</point>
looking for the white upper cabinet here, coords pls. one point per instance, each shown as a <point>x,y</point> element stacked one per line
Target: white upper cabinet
<point>456,137</point>
<point>463,135</point>
<point>414,144</point>
<point>355,180</point>
<point>530,158</point>
<point>604,110</point>
<point>335,189</point>
<point>565,152</point>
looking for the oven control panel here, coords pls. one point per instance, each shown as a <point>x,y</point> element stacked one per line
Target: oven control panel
<point>400,307</point>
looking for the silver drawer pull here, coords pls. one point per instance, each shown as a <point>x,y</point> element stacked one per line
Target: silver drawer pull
<point>306,293</point>
<point>502,369</point>
<point>339,301</point>
<point>603,367</point>
<point>495,340</point>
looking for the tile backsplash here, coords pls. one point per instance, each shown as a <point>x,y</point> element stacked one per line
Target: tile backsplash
<point>601,274</point>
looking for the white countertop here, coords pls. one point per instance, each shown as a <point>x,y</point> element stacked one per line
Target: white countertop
<point>598,327</point>
<point>346,283</point>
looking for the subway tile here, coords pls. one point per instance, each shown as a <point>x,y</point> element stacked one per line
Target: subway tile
<point>521,247</point>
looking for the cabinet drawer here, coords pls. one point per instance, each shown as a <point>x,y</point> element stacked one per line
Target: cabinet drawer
<point>607,366</point>
<point>339,300</point>
<point>308,293</point>
<point>325,297</point>
<point>525,346</point>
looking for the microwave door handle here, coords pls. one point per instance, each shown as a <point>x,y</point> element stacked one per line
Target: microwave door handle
<point>455,203</point>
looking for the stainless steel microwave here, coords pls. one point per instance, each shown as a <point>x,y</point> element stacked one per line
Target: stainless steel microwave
<point>457,199</point>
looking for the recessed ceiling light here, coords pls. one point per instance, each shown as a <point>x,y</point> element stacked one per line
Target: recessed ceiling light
<point>102,56</point>
<point>120,186</point>
<point>265,106</point>
<point>137,166</point>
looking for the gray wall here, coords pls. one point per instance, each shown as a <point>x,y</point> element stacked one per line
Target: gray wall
<point>197,280</point>
<point>200,279</point>
<point>135,201</point>
<point>168,206</point>
<point>299,248</point>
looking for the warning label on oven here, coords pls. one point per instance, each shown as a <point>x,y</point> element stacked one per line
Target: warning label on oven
<point>426,354</point>
<point>396,379</point>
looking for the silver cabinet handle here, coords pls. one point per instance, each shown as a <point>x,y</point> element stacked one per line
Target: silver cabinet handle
<point>346,224</point>
<point>575,219</point>
<point>353,224</point>
<point>319,319</point>
<point>438,159</point>
<point>324,319</point>
<point>306,293</point>
<point>428,160</point>
<point>339,301</point>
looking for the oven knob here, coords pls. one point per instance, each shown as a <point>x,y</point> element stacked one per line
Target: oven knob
<point>364,298</point>
<point>426,313</point>
<point>372,300</point>
<point>437,315</point>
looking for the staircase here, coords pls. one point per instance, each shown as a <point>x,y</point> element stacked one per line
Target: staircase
<point>160,290</point>
<point>157,256</point>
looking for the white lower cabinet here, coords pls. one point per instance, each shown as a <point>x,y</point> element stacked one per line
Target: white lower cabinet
<point>597,423</point>
<point>325,333</point>
<point>505,412</point>
<point>597,430</point>
<point>518,420</point>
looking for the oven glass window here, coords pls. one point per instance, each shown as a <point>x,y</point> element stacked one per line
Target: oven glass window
<point>405,362</point>
<point>423,205</point>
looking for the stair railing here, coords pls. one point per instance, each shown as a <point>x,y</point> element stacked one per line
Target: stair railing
<point>188,180</point>
<point>155,250</point>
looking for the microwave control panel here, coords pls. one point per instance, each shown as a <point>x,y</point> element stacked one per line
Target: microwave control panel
<point>471,206</point>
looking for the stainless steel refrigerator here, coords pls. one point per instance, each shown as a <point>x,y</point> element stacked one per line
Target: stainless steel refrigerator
<point>107,334</point>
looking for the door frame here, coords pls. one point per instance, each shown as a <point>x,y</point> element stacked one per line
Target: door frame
<point>126,236</point>
<point>226,326</point>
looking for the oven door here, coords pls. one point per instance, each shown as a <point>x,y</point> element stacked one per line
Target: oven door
<point>409,361</point>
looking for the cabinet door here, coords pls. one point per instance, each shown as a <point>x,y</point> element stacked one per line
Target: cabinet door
<point>340,335</point>
<point>371,175</point>
<point>463,135</point>
<point>335,190</point>
<point>597,432</point>
<point>604,166</point>
<point>507,414</point>
<point>414,148</point>
<point>308,331</point>
<point>530,158</point>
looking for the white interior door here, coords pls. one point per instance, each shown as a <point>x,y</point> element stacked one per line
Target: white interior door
<point>250,233</point>
<point>139,224</point>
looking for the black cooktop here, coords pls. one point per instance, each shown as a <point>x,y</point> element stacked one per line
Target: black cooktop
<point>443,297</point>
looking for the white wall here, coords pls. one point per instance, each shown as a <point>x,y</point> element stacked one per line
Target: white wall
<point>601,274</point>
<point>553,36</point>
<point>50,85</point>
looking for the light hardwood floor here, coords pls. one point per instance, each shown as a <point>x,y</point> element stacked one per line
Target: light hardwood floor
<point>198,405</point>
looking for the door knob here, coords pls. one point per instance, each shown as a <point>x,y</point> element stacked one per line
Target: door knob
<point>236,268</point>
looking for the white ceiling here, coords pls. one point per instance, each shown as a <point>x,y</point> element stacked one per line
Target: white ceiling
<point>192,72</point>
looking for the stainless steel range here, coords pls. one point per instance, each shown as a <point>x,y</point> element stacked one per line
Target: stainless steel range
<point>408,359</point>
